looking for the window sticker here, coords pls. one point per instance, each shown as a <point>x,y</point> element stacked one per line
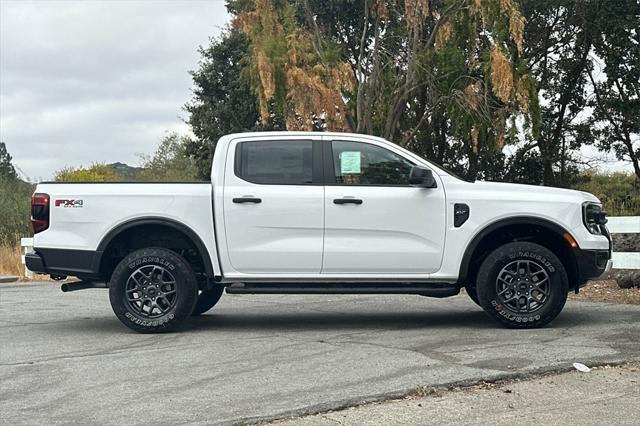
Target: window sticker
<point>350,162</point>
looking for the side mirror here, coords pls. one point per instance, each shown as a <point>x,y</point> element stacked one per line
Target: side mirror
<point>422,177</point>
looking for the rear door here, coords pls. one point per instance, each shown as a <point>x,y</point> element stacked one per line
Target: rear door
<point>375,222</point>
<point>274,205</point>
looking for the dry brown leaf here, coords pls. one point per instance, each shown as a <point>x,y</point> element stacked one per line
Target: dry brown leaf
<point>499,125</point>
<point>443,35</point>
<point>501,76</point>
<point>266,72</point>
<point>471,95</point>
<point>416,11</point>
<point>522,93</point>
<point>516,29</point>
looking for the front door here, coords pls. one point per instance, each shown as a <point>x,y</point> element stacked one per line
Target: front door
<point>273,206</point>
<point>374,221</point>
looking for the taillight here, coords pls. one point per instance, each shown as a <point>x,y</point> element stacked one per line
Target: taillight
<point>39,212</point>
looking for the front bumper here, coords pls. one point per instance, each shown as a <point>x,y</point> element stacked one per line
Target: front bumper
<point>592,265</point>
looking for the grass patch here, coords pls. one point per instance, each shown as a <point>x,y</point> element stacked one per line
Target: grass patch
<point>11,261</point>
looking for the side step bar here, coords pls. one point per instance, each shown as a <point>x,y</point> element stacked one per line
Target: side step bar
<point>423,289</point>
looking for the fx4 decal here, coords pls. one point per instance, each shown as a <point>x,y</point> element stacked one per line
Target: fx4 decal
<point>69,203</point>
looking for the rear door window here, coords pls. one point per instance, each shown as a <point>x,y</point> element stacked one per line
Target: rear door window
<point>275,162</point>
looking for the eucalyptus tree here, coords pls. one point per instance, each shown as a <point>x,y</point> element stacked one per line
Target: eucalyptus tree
<point>429,75</point>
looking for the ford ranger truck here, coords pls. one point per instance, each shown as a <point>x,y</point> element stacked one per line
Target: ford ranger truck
<point>319,213</point>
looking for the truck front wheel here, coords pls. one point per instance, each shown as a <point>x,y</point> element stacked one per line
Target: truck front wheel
<point>522,285</point>
<point>153,290</point>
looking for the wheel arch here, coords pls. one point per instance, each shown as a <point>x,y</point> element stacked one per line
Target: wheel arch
<point>159,223</point>
<point>519,228</point>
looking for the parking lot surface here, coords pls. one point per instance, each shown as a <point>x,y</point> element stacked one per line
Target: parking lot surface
<point>66,358</point>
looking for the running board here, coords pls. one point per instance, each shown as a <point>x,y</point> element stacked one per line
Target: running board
<point>423,289</point>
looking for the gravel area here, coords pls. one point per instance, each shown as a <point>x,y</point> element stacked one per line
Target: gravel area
<point>607,292</point>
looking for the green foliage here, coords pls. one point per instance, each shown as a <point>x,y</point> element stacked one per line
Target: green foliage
<point>98,172</point>
<point>15,208</point>
<point>223,101</point>
<point>567,44</point>
<point>15,202</point>
<point>617,191</point>
<point>170,162</point>
<point>7,171</point>
<point>616,118</point>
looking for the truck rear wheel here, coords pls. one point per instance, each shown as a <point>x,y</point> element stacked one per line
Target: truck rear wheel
<point>153,290</point>
<point>522,285</point>
<point>207,299</point>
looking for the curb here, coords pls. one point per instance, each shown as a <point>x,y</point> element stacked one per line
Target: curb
<point>8,279</point>
<point>408,393</point>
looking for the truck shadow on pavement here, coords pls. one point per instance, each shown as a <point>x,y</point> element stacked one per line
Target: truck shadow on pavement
<point>296,320</point>
<point>313,321</point>
<point>340,321</point>
<point>310,321</point>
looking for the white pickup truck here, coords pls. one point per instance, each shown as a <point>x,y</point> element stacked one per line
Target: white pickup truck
<point>310,213</point>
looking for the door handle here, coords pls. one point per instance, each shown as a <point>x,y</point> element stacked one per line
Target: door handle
<point>253,200</point>
<point>347,201</point>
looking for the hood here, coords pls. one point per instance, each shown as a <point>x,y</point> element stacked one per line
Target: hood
<point>517,191</point>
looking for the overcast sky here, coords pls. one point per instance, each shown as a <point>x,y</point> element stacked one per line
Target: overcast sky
<point>85,81</point>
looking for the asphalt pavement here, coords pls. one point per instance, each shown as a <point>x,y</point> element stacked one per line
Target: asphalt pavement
<point>65,358</point>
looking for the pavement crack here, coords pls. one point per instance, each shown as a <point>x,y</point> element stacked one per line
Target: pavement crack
<point>324,416</point>
<point>142,344</point>
<point>378,345</point>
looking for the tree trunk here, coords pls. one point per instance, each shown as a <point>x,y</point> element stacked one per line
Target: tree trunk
<point>547,149</point>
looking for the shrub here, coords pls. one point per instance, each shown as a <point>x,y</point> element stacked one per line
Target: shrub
<point>15,210</point>
<point>618,191</point>
<point>98,172</point>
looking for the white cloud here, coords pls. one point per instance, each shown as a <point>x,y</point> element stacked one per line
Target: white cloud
<point>93,81</point>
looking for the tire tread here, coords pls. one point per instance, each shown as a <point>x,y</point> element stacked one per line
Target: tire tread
<point>485,281</point>
<point>187,293</point>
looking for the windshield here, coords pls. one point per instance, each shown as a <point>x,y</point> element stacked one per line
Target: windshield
<point>439,167</point>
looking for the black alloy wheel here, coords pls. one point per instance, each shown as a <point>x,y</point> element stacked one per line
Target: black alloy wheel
<point>522,285</point>
<point>152,290</point>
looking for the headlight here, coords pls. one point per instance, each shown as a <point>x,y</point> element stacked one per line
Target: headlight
<point>593,217</point>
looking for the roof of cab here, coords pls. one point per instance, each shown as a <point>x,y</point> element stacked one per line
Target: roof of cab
<point>298,133</point>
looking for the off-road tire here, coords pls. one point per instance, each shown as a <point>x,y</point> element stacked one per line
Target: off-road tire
<point>472,292</point>
<point>501,306</point>
<point>133,274</point>
<point>207,299</point>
